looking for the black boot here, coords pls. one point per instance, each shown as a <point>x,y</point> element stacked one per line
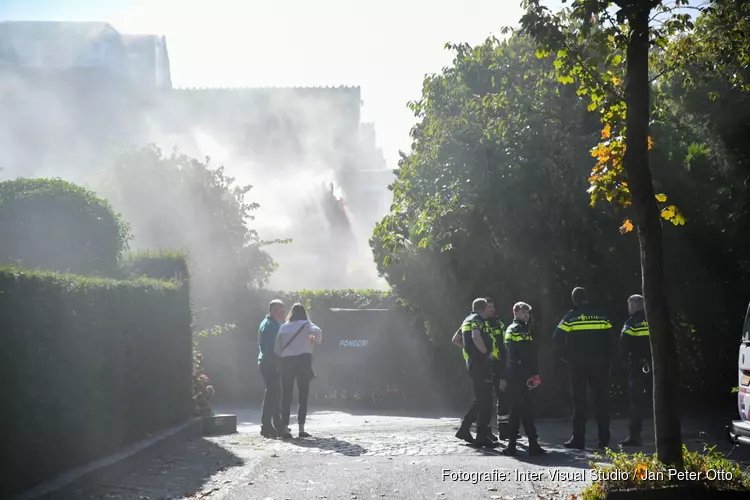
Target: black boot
<point>465,434</point>
<point>510,451</point>
<point>535,449</point>
<point>483,439</point>
<point>631,441</point>
<point>575,443</point>
<point>268,432</point>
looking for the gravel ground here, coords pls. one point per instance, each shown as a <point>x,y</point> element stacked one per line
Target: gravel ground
<point>363,457</point>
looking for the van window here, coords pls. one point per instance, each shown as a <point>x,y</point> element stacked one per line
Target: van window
<point>746,328</point>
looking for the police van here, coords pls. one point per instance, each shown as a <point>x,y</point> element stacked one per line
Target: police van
<point>739,431</point>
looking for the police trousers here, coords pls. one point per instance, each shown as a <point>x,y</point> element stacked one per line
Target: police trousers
<point>503,409</point>
<point>596,377</point>
<point>481,408</point>
<point>640,386</point>
<point>521,410</point>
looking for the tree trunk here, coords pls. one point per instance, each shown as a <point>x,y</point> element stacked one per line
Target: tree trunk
<point>666,370</point>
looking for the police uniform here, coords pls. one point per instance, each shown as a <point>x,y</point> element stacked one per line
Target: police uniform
<point>584,341</point>
<point>520,366</point>
<point>497,332</point>
<point>636,350</point>
<point>478,366</point>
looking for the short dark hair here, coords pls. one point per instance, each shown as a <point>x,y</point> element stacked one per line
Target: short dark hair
<point>274,303</point>
<point>297,312</point>
<point>579,296</point>
<point>479,305</point>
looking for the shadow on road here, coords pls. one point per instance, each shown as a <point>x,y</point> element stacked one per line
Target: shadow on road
<point>329,443</point>
<point>175,471</point>
<point>557,456</point>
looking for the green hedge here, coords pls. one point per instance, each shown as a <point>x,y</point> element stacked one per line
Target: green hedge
<point>160,264</point>
<point>53,224</point>
<point>89,366</point>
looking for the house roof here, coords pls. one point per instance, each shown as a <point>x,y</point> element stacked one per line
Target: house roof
<point>54,30</point>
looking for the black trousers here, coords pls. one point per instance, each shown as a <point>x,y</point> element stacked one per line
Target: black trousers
<point>640,387</point>
<point>521,410</point>
<point>503,408</point>
<point>595,376</point>
<point>295,368</point>
<point>271,412</point>
<point>481,408</point>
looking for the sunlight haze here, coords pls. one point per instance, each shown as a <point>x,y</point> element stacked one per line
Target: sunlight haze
<point>385,47</point>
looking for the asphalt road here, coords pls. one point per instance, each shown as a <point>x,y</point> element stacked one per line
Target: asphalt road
<point>359,457</point>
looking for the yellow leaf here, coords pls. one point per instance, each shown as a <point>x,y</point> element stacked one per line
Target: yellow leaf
<point>661,198</point>
<point>626,227</point>
<point>592,106</point>
<point>606,131</point>
<point>616,81</point>
<point>669,212</point>
<point>650,143</point>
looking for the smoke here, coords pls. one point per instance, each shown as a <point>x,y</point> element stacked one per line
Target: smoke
<point>300,149</point>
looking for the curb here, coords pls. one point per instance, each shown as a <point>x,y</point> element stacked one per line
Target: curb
<point>64,485</point>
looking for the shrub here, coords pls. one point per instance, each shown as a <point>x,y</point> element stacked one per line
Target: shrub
<point>53,224</point>
<point>90,365</point>
<point>645,472</point>
<point>161,264</point>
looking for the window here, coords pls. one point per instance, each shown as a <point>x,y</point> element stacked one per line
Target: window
<point>746,329</point>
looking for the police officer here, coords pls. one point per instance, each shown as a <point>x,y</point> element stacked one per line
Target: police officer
<point>478,346</point>
<point>521,376</point>
<point>635,348</point>
<point>497,332</point>
<point>584,340</point>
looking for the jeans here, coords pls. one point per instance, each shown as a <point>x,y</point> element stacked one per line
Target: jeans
<point>271,412</point>
<point>295,368</point>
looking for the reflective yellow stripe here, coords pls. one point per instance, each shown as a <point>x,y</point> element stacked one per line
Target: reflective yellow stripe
<point>572,326</point>
<point>516,337</point>
<point>466,354</point>
<point>637,332</point>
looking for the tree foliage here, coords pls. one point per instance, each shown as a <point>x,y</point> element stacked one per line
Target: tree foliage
<point>55,225</point>
<point>493,198</point>
<point>174,201</point>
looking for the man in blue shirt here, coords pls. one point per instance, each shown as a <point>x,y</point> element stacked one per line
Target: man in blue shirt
<point>268,363</point>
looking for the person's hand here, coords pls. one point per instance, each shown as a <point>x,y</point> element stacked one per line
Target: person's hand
<point>491,356</point>
<point>502,384</point>
<point>533,382</point>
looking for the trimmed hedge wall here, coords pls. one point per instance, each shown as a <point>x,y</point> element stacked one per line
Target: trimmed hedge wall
<point>89,365</point>
<point>159,264</point>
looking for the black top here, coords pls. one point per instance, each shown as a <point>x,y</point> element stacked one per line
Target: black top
<point>521,351</point>
<point>585,336</point>
<point>635,345</point>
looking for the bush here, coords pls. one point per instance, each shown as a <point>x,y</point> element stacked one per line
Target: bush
<point>53,224</point>
<point>90,365</point>
<point>161,264</point>
<point>644,472</point>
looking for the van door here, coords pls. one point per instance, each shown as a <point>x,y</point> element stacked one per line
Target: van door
<point>744,370</point>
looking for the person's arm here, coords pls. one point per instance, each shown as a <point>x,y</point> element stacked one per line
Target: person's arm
<point>476,336</point>
<point>458,339</point>
<point>263,341</point>
<point>315,330</point>
<point>278,345</point>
